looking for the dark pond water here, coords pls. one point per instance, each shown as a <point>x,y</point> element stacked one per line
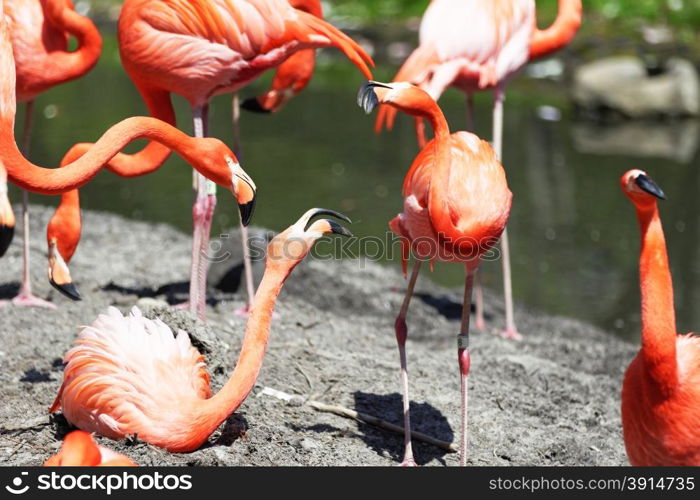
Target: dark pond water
<point>574,234</point>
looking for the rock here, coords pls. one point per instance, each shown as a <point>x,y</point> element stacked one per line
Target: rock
<point>623,84</point>
<point>150,303</point>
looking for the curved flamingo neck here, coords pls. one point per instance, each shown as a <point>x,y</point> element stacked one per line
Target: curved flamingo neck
<point>216,409</point>
<point>62,66</point>
<point>658,316</point>
<point>76,174</point>
<point>560,33</point>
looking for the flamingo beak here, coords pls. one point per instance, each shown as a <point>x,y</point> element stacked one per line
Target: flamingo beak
<point>59,275</point>
<point>253,104</point>
<point>6,234</point>
<point>647,184</point>
<point>246,210</point>
<point>367,99</point>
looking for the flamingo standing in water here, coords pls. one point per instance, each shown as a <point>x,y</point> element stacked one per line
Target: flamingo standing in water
<point>79,449</point>
<point>456,205</point>
<point>661,388</point>
<point>131,376</point>
<point>478,45</point>
<point>39,33</point>
<point>208,156</point>
<point>293,75</point>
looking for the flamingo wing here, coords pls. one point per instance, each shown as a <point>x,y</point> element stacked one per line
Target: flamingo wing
<point>206,47</point>
<point>126,370</point>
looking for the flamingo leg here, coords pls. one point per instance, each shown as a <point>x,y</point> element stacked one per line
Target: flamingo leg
<point>401,335</point>
<point>478,291</point>
<point>464,359</point>
<point>247,265</point>
<point>511,331</point>
<point>25,297</point>
<point>202,213</point>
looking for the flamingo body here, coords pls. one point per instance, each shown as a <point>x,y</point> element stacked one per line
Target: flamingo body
<point>478,202</point>
<point>218,46</point>
<point>138,371</point>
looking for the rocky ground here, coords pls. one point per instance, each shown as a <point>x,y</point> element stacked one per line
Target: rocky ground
<point>552,399</point>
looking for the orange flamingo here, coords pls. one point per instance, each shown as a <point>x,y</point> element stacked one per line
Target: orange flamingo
<point>131,376</point>
<point>456,205</point>
<point>293,75</point>
<point>209,156</point>
<point>39,33</point>
<point>202,48</point>
<point>477,45</point>
<point>661,389</point>
<point>79,449</point>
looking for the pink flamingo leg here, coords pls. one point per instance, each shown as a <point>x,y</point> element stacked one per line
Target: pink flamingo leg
<point>511,331</point>
<point>401,335</point>
<point>202,213</point>
<point>247,264</point>
<point>464,359</point>
<point>25,297</point>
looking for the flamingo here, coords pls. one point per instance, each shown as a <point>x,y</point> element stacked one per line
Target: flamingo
<point>293,75</point>
<point>129,375</point>
<point>39,33</point>
<point>456,205</point>
<point>661,388</point>
<point>80,449</point>
<point>478,45</point>
<point>211,157</point>
<point>202,48</point>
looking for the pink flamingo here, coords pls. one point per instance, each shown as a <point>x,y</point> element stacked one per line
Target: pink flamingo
<point>131,376</point>
<point>456,205</point>
<point>478,45</point>
<point>39,32</point>
<point>79,449</point>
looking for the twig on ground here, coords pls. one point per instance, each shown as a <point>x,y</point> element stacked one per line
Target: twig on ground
<point>363,417</point>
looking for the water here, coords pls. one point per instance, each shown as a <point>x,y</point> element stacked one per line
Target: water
<point>575,240</point>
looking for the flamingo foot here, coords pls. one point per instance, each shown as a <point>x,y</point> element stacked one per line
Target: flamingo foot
<point>511,333</point>
<point>408,462</point>
<point>480,324</point>
<point>28,300</point>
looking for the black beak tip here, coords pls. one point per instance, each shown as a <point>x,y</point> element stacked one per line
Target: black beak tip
<point>366,98</point>
<point>252,104</point>
<point>69,290</point>
<point>6,235</point>
<point>246,210</point>
<point>338,229</point>
<point>648,185</point>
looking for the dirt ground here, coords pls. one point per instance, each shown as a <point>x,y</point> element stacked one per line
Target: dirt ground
<point>552,399</point>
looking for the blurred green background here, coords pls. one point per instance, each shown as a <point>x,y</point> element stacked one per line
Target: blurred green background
<point>574,235</point>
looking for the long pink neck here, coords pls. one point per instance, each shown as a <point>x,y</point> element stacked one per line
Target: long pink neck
<point>658,316</point>
<point>216,409</point>
<point>76,174</point>
<point>63,66</point>
<point>560,33</point>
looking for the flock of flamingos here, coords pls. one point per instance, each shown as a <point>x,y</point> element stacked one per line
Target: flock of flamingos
<point>130,375</point>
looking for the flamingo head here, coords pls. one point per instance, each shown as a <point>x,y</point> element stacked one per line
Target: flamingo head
<point>243,188</point>
<point>78,449</point>
<point>293,244</point>
<point>400,95</point>
<point>640,188</point>
<point>213,159</point>
<point>7,221</point>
